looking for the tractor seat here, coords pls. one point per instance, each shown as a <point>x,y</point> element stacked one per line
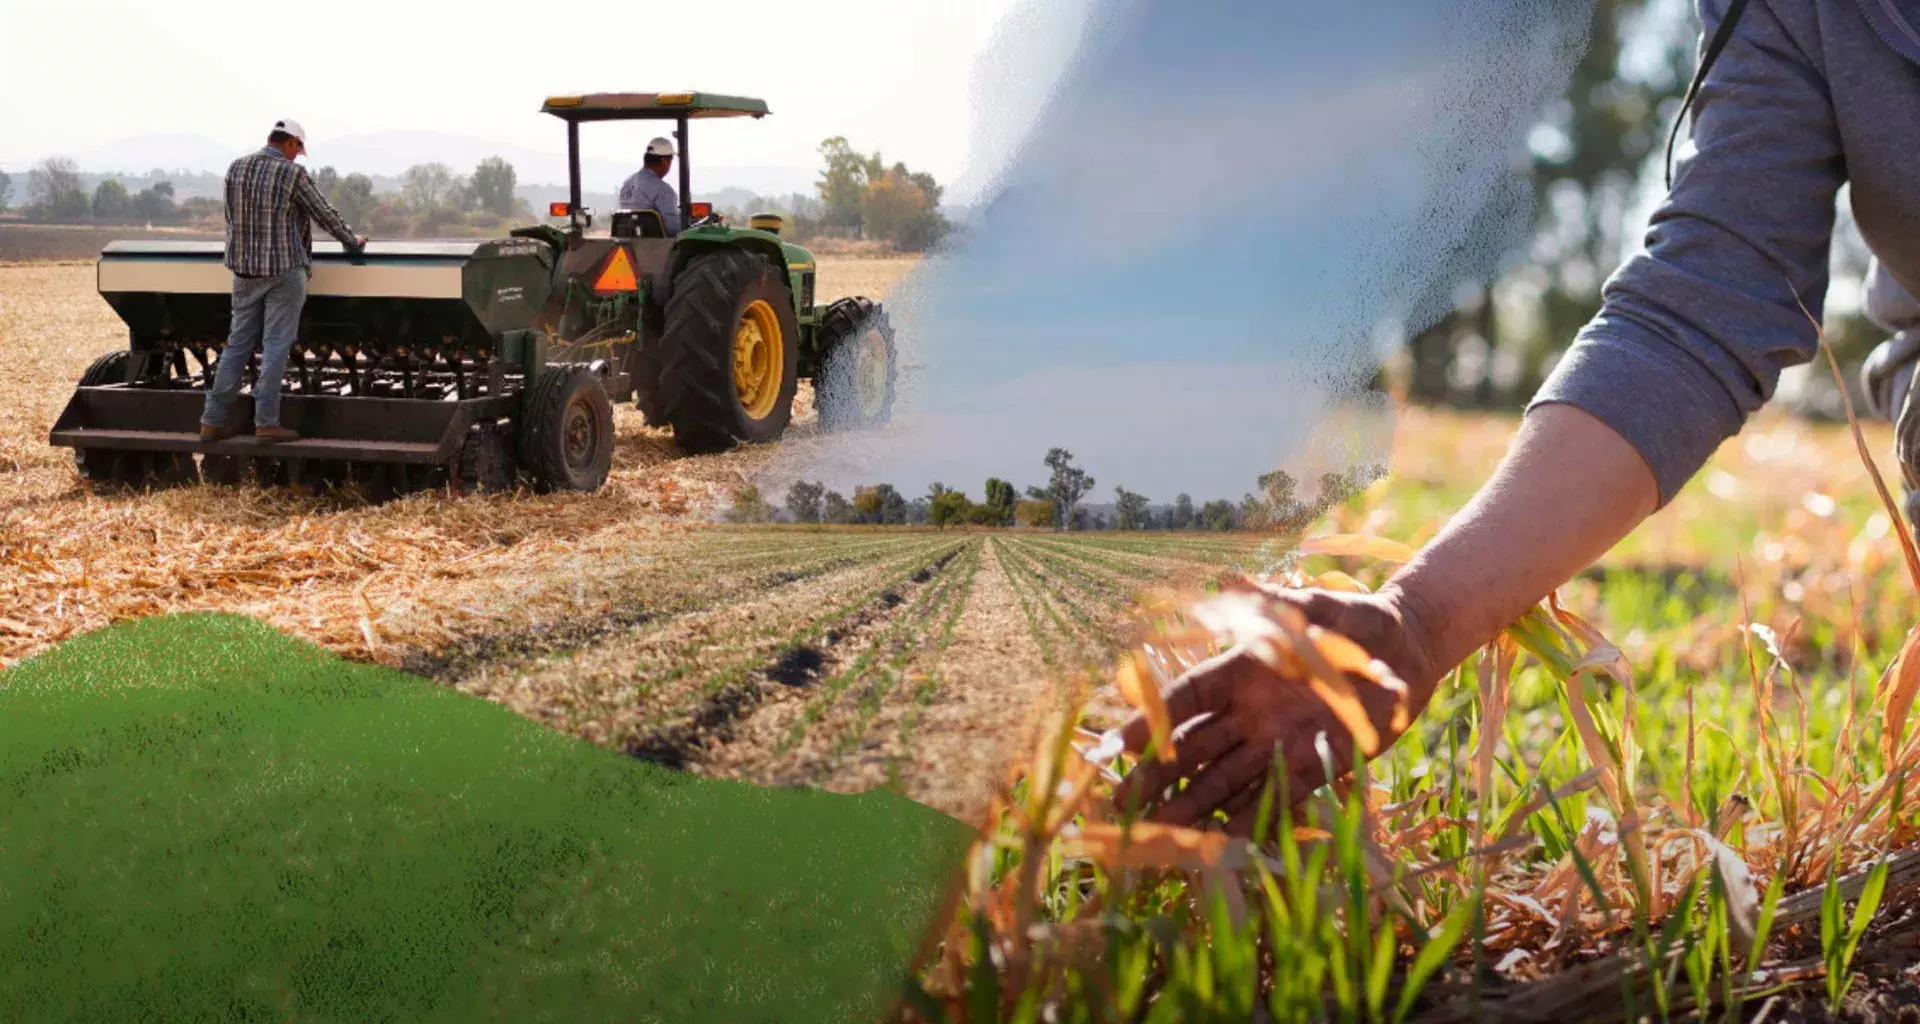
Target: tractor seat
<point>638,224</point>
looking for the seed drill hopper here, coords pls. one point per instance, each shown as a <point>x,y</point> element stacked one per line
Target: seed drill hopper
<point>488,364</point>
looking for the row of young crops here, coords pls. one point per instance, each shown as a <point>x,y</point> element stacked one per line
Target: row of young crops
<point>844,658</point>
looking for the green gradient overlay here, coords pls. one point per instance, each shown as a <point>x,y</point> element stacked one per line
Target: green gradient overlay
<point>202,818</point>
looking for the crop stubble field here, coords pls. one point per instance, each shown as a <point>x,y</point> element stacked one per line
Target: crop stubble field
<point>833,656</point>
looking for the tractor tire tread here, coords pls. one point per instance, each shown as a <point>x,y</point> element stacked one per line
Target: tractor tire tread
<point>841,323</point>
<point>543,441</point>
<point>696,391</point>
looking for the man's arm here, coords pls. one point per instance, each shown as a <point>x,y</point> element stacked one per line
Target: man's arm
<point>308,198</point>
<point>1691,339</point>
<point>1695,331</point>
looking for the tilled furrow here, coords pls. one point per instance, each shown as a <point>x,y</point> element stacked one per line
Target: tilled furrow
<point>677,584</point>
<point>800,737</point>
<point>974,711</point>
<point>710,737</point>
<point>636,684</point>
<point>1089,616</point>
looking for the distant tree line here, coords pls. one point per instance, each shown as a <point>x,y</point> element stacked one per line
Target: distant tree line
<point>1276,506</point>
<point>858,196</point>
<point>55,191</point>
<point>432,199</point>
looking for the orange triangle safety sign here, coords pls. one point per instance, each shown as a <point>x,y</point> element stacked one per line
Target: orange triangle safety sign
<point>617,274</point>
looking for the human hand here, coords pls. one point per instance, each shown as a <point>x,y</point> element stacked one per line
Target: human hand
<point>359,241</point>
<point>1230,713</point>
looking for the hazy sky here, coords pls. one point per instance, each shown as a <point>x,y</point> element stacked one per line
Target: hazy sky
<point>889,74</point>
<point>1212,229</point>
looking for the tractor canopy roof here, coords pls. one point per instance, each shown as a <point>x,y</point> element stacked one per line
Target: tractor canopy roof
<point>651,106</point>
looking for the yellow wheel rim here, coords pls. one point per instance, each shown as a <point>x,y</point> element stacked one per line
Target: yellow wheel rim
<point>870,374</point>
<point>759,359</point>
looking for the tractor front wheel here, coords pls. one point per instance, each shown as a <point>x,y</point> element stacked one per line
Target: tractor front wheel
<point>855,387</point>
<point>730,354</point>
<point>566,440</point>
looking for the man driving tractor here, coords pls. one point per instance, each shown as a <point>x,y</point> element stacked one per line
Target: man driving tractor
<point>647,189</point>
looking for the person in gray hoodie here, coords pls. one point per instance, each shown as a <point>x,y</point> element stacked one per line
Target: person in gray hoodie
<point>1795,98</point>
<point>1888,378</point>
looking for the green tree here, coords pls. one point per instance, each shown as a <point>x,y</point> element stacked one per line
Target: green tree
<point>426,188</point>
<point>842,183</point>
<point>155,202</point>
<point>55,191</point>
<point>325,179</point>
<point>493,183</point>
<point>1182,513</point>
<point>894,509</point>
<point>1335,488</point>
<point>888,205</point>
<point>747,506</point>
<point>997,509</point>
<point>110,201</point>
<point>1219,515</point>
<point>1281,507</point>
<point>949,508</point>
<point>835,508</point>
<point>1130,510</point>
<point>6,190</point>
<point>352,195</point>
<point>1067,484</point>
<point>1036,512</point>
<point>803,501</point>
<point>867,505</point>
<point>1256,513</point>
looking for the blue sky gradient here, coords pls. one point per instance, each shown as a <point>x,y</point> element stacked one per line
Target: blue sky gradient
<point>1219,220</point>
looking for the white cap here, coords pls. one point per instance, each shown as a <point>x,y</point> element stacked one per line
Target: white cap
<point>291,127</point>
<point>660,147</point>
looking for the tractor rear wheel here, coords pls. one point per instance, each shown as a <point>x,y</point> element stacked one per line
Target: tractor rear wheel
<point>730,354</point>
<point>855,386</point>
<point>566,440</point>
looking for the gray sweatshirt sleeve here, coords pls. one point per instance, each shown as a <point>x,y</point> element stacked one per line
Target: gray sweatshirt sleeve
<point>1889,306</point>
<point>1693,333</point>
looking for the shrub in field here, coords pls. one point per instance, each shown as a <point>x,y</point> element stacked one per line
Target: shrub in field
<point>1035,513</point>
<point>746,505</point>
<point>949,508</point>
<point>803,501</point>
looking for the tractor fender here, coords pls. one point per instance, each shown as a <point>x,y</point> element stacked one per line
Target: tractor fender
<point>688,248</point>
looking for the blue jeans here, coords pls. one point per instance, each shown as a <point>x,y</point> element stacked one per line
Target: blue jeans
<point>266,315</point>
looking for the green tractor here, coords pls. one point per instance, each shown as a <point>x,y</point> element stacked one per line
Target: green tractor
<point>490,363</point>
<point>724,317</point>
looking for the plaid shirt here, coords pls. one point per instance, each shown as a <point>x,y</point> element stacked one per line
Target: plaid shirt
<point>271,203</point>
